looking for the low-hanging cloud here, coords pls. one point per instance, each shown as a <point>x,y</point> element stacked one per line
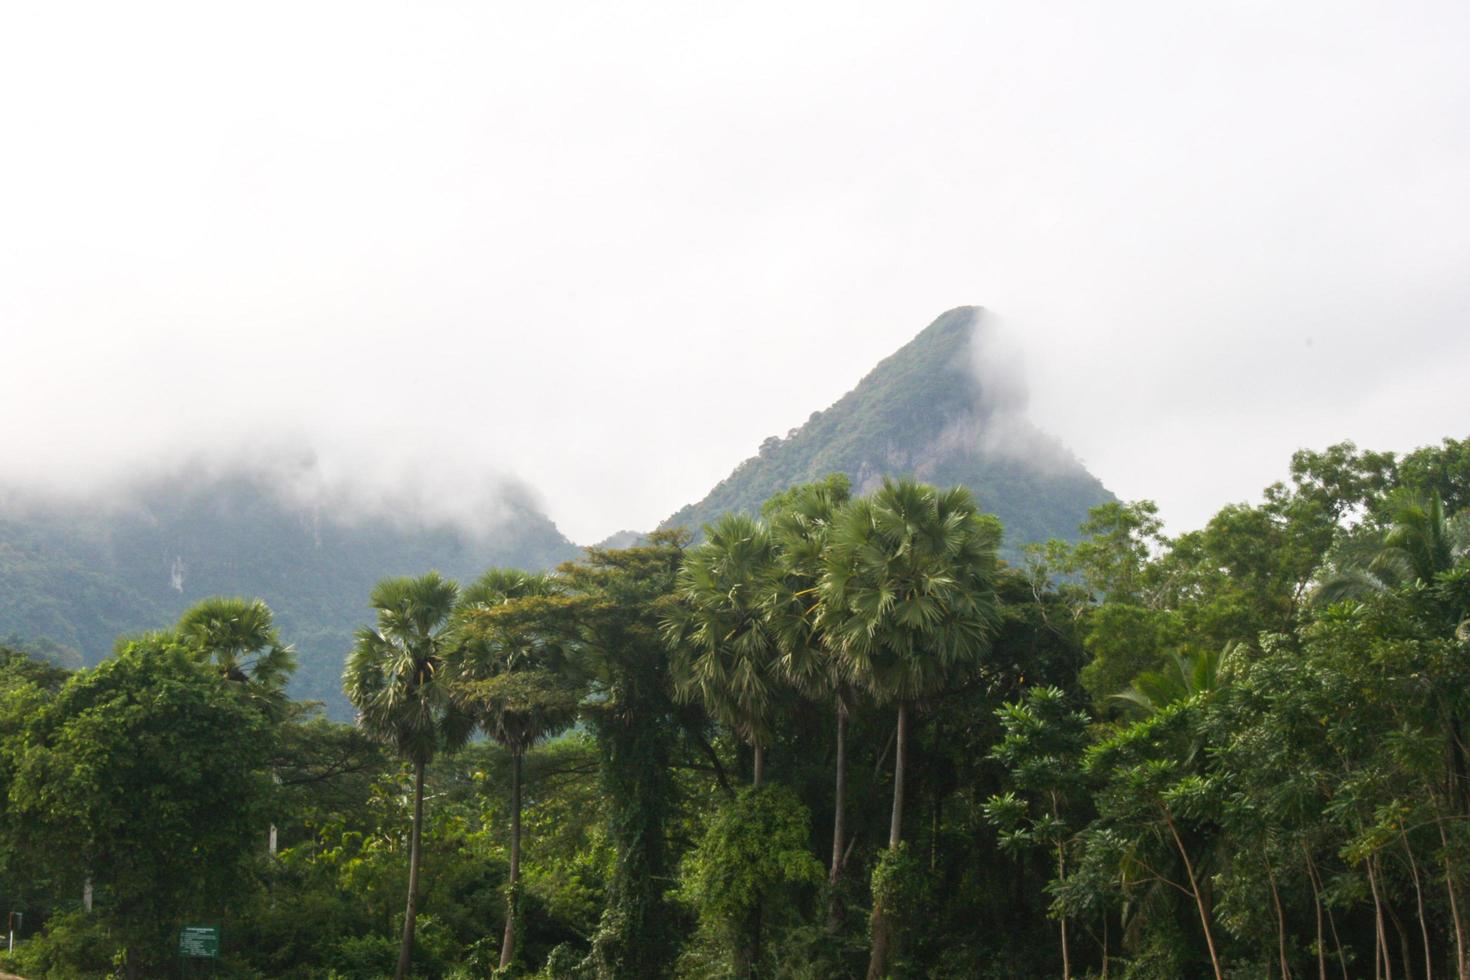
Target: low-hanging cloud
<point>346,486</point>
<point>1001,426</point>
<point>601,251</point>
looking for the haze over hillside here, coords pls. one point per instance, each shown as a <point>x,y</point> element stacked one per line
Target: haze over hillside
<point>949,407</point>
<point>76,574</point>
<point>311,539</point>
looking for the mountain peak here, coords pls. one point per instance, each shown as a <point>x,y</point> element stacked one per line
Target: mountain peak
<point>944,408</point>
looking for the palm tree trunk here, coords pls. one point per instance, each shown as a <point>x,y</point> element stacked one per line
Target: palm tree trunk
<point>752,955</point>
<point>882,927</point>
<point>895,822</point>
<point>405,951</point>
<point>839,824</point>
<point>512,892</point>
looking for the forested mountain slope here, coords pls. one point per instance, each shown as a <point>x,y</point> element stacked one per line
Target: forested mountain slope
<point>924,411</point>
<point>73,577</point>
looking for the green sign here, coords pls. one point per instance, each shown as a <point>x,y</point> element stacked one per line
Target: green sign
<point>199,941</point>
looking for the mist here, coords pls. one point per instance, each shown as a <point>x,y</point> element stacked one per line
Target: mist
<point>463,256</point>
<point>1001,426</point>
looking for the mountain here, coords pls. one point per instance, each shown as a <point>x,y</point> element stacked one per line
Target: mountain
<point>73,577</point>
<point>937,410</point>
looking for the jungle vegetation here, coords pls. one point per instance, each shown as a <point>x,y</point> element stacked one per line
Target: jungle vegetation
<point>838,737</point>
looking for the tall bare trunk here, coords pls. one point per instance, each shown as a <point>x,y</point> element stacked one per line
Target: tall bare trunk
<point>1406,952</point>
<point>1331,919</point>
<point>1199,900</point>
<point>1056,817</point>
<point>1317,910</point>
<point>512,893</point>
<point>1382,967</point>
<point>1066,952</point>
<point>1280,924</point>
<point>1462,955</point>
<point>405,951</point>
<point>881,923</point>
<point>1419,899</point>
<point>835,908</point>
<point>760,765</point>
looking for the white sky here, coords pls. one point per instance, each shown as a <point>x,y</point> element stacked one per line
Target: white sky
<point>608,248</point>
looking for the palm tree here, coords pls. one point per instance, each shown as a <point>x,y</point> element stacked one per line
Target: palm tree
<point>239,637</point>
<point>1420,543</point>
<point>725,654</point>
<point>1422,550</point>
<point>1186,676</point>
<point>1422,546</point>
<point>513,682</point>
<point>907,596</point>
<point>396,678</point>
<point>801,522</point>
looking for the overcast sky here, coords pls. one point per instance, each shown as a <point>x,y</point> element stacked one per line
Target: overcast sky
<point>606,249</point>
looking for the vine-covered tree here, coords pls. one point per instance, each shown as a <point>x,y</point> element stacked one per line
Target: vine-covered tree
<point>620,598</point>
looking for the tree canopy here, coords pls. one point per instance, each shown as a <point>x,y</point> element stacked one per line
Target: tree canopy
<point>1237,750</point>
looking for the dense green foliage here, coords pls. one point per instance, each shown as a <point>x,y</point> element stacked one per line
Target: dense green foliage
<point>144,776</point>
<point>753,854</point>
<point>1239,751</point>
